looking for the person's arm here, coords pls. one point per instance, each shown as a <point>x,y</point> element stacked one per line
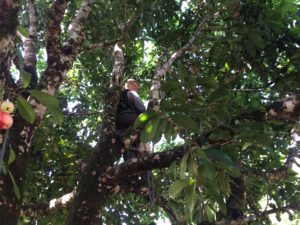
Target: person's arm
<point>135,99</point>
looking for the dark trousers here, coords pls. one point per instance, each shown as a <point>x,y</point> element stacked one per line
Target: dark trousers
<point>123,123</point>
<point>125,119</point>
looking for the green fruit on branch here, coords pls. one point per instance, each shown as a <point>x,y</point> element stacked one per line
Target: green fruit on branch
<point>7,107</point>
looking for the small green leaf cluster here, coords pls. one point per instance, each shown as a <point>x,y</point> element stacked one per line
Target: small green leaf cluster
<point>27,112</point>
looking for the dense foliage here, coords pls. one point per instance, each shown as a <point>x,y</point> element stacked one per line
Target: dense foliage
<point>229,104</point>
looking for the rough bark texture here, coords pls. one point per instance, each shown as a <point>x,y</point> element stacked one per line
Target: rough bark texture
<point>30,43</point>
<point>161,69</point>
<point>285,109</point>
<point>58,64</point>
<point>8,23</point>
<point>120,173</point>
<point>90,194</point>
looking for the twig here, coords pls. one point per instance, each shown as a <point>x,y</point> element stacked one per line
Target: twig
<point>43,209</point>
<point>100,45</point>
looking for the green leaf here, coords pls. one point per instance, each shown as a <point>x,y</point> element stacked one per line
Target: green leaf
<point>3,167</point>
<point>278,216</point>
<point>12,156</point>
<point>209,171</point>
<point>219,135</point>
<point>191,197</point>
<point>287,7</point>
<point>224,113</point>
<point>218,95</point>
<point>149,131</point>
<point>23,31</point>
<point>144,118</point>
<point>193,167</point>
<point>291,216</point>
<point>177,187</point>
<point>200,153</point>
<point>224,161</point>
<point>183,166</point>
<point>169,131</point>
<point>219,156</point>
<point>189,80</point>
<point>170,85</point>
<point>207,82</point>
<point>15,186</point>
<point>257,40</point>
<point>226,66</point>
<point>209,213</point>
<point>162,123</point>
<point>166,105</point>
<point>214,190</point>
<point>25,109</point>
<point>185,121</point>
<point>180,96</point>
<point>26,79</point>
<point>250,48</point>
<point>50,102</point>
<point>78,3</point>
<point>172,169</point>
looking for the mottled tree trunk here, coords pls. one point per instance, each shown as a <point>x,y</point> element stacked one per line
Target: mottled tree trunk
<point>9,204</point>
<point>91,195</point>
<point>89,199</point>
<point>235,204</point>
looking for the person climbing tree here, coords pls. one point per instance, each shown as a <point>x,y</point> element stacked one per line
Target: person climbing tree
<point>130,106</point>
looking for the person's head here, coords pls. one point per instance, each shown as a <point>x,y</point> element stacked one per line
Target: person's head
<point>132,85</point>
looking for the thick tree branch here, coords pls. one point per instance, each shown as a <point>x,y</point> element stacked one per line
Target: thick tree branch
<point>112,98</point>
<point>244,220</point>
<point>91,194</point>
<point>134,166</point>
<point>43,209</point>
<point>294,206</point>
<point>61,58</point>
<point>285,109</point>
<point>161,69</point>
<point>55,72</point>
<point>30,43</point>
<point>76,35</point>
<point>164,68</point>
<point>8,24</point>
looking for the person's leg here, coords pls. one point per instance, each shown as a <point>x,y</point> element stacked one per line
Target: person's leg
<point>125,120</point>
<point>123,124</point>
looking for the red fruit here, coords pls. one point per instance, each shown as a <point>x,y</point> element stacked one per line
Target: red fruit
<point>6,121</point>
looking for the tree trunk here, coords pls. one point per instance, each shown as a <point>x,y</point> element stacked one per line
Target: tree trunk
<point>91,195</point>
<point>19,140</point>
<point>89,199</point>
<point>235,204</point>
<point>9,204</point>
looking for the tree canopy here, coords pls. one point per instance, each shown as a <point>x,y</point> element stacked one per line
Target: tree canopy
<point>221,79</point>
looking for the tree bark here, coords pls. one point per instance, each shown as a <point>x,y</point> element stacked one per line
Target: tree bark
<point>90,194</point>
<point>8,23</point>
